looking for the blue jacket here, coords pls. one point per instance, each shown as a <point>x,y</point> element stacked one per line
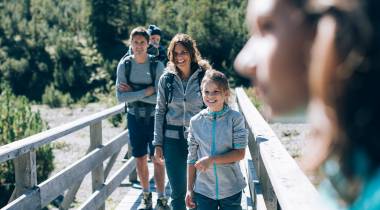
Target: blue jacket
<point>216,133</point>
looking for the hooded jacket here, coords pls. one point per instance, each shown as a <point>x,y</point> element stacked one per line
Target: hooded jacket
<point>216,133</point>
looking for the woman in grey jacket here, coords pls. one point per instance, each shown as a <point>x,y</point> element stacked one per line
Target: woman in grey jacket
<point>217,141</point>
<point>178,99</point>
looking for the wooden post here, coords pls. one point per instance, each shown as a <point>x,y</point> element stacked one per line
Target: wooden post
<point>25,173</point>
<point>98,172</point>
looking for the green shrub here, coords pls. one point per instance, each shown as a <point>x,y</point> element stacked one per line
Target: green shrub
<point>55,98</point>
<point>116,120</point>
<point>251,92</point>
<point>17,121</point>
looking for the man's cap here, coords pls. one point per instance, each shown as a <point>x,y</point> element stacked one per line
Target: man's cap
<point>154,30</point>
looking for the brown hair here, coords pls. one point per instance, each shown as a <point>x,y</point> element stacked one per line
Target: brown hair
<point>190,44</point>
<point>345,77</point>
<point>139,31</point>
<point>218,78</point>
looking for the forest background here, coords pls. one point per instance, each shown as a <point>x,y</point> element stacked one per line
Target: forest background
<point>70,48</point>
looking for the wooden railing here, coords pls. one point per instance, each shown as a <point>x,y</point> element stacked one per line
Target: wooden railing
<point>30,195</point>
<point>275,180</point>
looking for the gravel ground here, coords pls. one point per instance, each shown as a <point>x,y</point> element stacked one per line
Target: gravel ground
<point>70,148</point>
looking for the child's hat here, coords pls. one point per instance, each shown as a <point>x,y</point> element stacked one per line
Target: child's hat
<point>154,30</point>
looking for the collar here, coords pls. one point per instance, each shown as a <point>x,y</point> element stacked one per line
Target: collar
<point>218,114</point>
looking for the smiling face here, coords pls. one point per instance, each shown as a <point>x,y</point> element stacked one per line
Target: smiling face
<point>182,57</point>
<point>139,45</point>
<point>213,96</point>
<point>276,55</point>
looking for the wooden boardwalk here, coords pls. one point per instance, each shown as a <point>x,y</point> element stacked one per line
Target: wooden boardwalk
<point>134,195</point>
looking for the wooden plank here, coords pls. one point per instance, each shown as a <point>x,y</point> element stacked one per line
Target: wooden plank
<point>71,193</point>
<point>134,196</point>
<point>97,199</point>
<point>253,187</point>
<point>29,200</point>
<point>246,200</point>
<point>110,164</point>
<point>55,185</point>
<point>292,188</point>
<point>97,173</point>
<point>25,173</point>
<point>14,149</point>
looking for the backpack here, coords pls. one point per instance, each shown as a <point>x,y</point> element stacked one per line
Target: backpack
<point>168,84</point>
<point>152,70</point>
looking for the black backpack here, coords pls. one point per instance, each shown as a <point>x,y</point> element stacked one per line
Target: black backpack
<point>152,69</point>
<point>168,84</point>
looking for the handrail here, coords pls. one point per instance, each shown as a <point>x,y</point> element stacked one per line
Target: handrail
<point>283,183</point>
<point>29,195</point>
<point>17,148</point>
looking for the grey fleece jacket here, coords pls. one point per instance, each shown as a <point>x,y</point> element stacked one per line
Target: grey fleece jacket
<point>140,74</point>
<point>185,104</point>
<point>216,133</point>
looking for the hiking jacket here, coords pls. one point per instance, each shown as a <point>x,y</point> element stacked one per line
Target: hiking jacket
<point>140,74</point>
<point>216,133</point>
<point>186,102</point>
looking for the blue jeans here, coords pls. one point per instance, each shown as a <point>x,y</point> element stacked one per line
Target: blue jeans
<point>230,203</point>
<point>175,153</point>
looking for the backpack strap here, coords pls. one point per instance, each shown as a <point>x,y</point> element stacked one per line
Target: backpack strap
<point>200,77</point>
<point>168,88</point>
<point>168,92</point>
<point>128,67</point>
<point>153,69</point>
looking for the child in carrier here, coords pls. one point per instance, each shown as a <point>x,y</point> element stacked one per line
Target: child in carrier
<point>217,140</point>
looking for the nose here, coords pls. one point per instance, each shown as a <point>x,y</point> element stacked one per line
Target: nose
<point>246,61</point>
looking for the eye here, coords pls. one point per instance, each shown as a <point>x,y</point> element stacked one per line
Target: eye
<point>265,25</point>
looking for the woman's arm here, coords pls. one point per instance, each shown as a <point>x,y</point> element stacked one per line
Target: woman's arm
<point>191,171</point>
<point>159,117</point>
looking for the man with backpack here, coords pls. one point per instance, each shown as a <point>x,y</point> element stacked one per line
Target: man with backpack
<point>137,79</point>
<point>155,48</point>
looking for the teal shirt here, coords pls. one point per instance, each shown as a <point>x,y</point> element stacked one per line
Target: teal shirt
<point>369,198</point>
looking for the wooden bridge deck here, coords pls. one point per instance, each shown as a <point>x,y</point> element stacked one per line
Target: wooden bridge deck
<point>134,194</point>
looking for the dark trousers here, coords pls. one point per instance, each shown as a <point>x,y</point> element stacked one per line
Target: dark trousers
<point>175,153</point>
<point>230,203</point>
<point>140,135</point>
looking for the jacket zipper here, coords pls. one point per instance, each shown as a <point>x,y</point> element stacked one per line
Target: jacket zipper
<point>213,151</point>
<point>184,96</point>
